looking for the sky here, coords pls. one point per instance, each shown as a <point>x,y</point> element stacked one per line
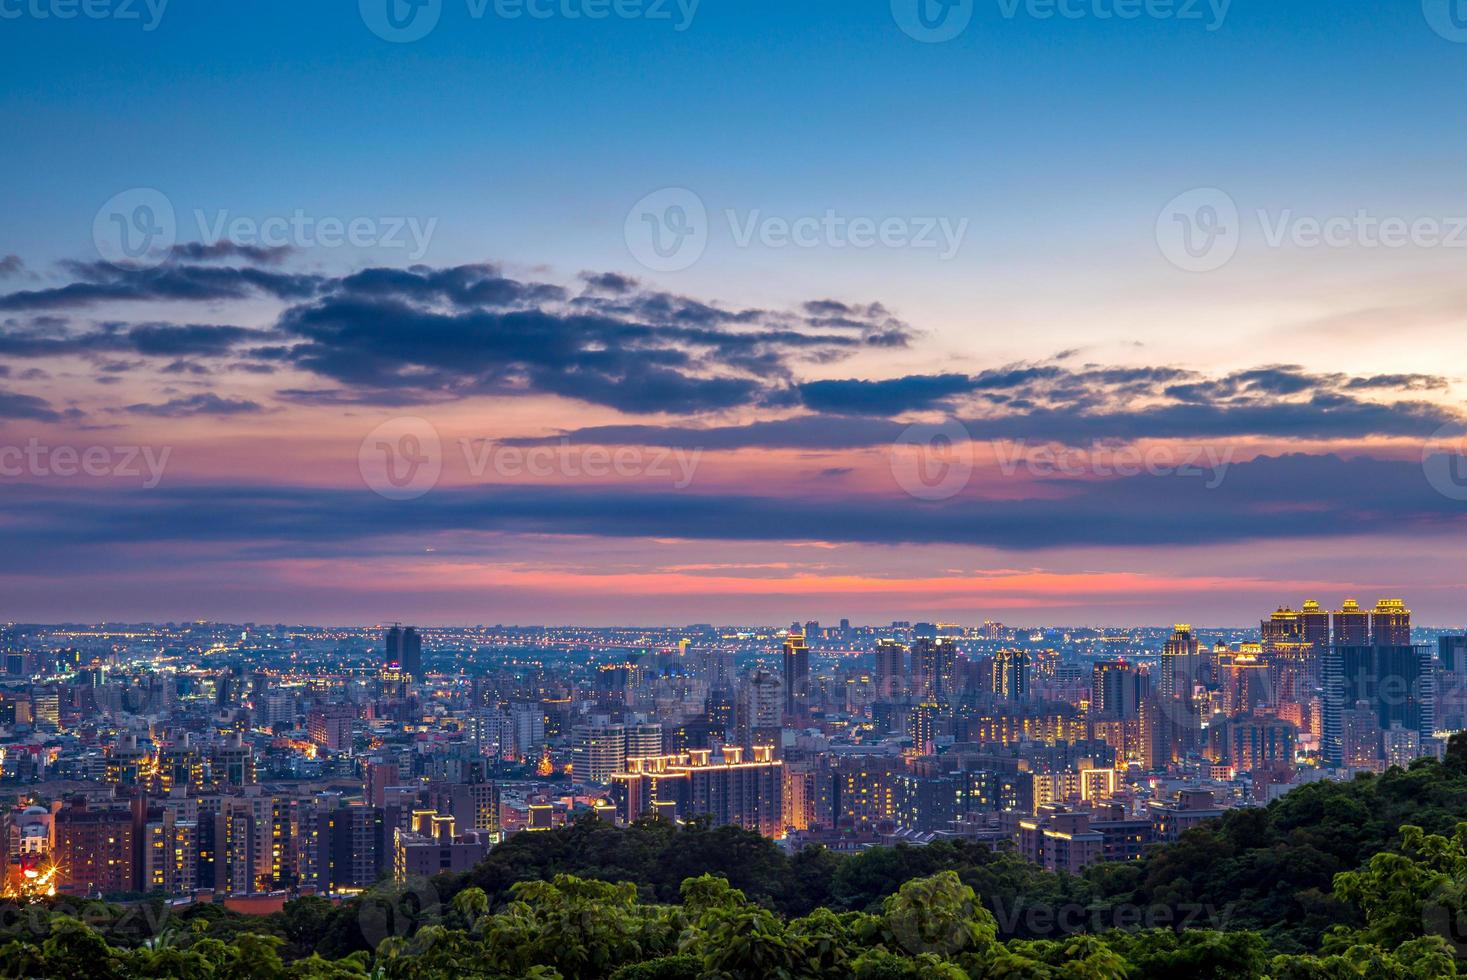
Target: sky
<point>661,311</point>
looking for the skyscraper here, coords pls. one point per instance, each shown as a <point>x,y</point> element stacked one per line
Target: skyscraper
<point>1181,664</point>
<point>891,668</point>
<point>934,659</point>
<point>796,675</point>
<point>1314,626</point>
<point>1390,624</point>
<point>1116,691</point>
<point>1011,672</point>
<point>404,648</point>
<point>1351,626</point>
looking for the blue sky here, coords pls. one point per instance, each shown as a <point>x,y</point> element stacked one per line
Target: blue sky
<point>1055,144</point>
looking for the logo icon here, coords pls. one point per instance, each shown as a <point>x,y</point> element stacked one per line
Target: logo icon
<point>1199,231</point>
<point>401,21</point>
<point>401,459</point>
<point>933,461</point>
<point>136,228</point>
<point>1448,18</point>
<point>667,231</point>
<point>932,21</point>
<point>1444,461</point>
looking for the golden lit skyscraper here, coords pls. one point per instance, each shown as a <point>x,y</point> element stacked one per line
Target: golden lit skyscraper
<point>1011,673</point>
<point>796,674</point>
<point>1390,624</point>
<point>1314,626</point>
<point>1352,625</point>
<point>1181,664</point>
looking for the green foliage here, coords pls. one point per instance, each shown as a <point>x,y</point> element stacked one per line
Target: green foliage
<point>1366,879</point>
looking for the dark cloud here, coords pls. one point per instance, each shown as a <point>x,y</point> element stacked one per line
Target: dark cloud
<point>14,405</point>
<point>100,282</point>
<point>1326,418</point>
<point>11,265</point>
<point>205,404</point>
<point>1295,498</point>
<point>892,397</point>
<point>225,249</point>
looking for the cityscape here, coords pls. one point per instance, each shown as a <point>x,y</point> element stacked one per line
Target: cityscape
<point>254,764</point>
<point>733,490</point>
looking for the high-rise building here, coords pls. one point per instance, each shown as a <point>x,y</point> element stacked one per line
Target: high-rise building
<point>1390,624</point>
<point>1011,673</point>
<point>1246,680</point>
<point>597,751</point>
<point>760,709</point>
<point>1351,626</point>
<point>1314,626</point>
<point>1395,683</point>
<point>1116,690</point>
<point>796,675</point>
<point>1181,665</point>
<point>934,660</point>
<point>891,668</point>
<point>730,790</point>
<point>404,651</point>
<point>98,848</point>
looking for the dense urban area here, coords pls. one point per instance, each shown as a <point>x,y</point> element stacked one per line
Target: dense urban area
<point>257,773</point>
